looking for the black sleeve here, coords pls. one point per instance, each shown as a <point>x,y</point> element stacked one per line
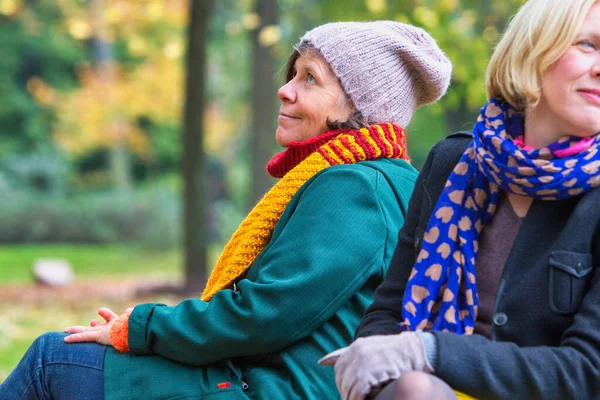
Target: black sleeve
<point>384,314</point>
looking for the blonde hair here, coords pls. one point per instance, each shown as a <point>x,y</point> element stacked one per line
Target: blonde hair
<point>537,36</point>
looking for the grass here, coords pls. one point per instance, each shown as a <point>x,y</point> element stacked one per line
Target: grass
<point>88,261</point>
<point>24,318</point>
<point>21,323</point>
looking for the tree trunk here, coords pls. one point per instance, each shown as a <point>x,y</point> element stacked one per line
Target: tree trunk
<point>195,238</point>
<point>119,160</point>
<point>264,106</point>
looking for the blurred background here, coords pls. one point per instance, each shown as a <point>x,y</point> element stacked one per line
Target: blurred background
<point>134,136</point>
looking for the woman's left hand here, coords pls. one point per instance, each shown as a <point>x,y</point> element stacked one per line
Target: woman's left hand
<point>96,332</point>
<point>370,362</point>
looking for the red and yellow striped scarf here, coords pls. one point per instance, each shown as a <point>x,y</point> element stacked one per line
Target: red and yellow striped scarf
<point>254,233</point>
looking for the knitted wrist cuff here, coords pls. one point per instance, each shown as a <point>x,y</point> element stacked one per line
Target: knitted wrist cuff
<point>431,348</point>
<point>119,333</point>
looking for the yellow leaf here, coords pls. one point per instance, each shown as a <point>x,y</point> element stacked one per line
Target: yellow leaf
<point>376,6</point>
<point>251,21</point>
<point>9,7</point>
<point>137,46</point>
<point>80,29</point>
<point>174,49</point>
<point>448,5</point>
<point>40,91</point>
<point>402,18</point>
<point>426,16</point>
<point>269,35</point>
<point>155,10</point>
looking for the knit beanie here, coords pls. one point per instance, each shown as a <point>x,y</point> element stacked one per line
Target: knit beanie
<point>387,68</point>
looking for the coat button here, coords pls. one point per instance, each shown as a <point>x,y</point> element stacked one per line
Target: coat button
<point>500,319</point>
<point>418,243</point>
<point>579,268</point>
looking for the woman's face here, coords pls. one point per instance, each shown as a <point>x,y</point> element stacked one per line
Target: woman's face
<point>308,100</point>
<point>570,101</point>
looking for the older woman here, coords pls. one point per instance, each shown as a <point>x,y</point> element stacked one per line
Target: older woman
<point>494,281</point>
<point>294,280</point>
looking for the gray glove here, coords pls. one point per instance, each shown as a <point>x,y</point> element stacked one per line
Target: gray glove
<point>370,362</point>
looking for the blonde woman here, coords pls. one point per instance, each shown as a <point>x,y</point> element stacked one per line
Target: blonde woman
<point>494,288</point>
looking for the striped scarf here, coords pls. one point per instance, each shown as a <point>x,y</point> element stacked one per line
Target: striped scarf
<point>441,293</point>
<point>254,233</point>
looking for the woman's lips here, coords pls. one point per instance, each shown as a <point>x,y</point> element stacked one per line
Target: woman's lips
<point>591,94</point>
<point>284,117</point>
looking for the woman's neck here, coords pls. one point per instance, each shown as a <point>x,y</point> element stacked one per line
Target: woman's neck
<point>540,130</point>
<point>519,204</point>
<point>541,127</point>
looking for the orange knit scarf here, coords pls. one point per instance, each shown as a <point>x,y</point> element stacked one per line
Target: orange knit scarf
<point>254,233</point>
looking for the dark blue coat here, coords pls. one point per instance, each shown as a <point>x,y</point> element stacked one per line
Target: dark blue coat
<point>546,328</point>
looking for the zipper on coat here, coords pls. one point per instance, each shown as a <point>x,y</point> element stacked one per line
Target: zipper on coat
<point>237,374</point>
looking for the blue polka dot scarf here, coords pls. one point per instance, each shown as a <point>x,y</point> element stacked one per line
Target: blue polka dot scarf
<point>441,293</point>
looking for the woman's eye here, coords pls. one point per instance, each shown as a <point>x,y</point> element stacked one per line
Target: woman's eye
<point>310,78</point>
<point>588,44</point>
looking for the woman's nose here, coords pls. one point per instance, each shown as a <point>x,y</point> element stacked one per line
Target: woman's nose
<point>287,93</point>
<point>596,67</point>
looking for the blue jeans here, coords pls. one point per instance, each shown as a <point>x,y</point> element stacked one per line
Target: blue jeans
<point>53,369</point>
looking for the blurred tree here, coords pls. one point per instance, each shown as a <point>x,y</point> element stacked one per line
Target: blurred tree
<point>263,96</point>
<point>132,104</point>
<point>38,58</point>
<point>195,240</point>
<point>53,97</point>
<point>104,69</point>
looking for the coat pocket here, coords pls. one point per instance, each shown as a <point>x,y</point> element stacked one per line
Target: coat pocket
<point>569,273</point>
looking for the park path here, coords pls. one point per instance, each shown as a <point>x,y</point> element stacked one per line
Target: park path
<point>115,289</point>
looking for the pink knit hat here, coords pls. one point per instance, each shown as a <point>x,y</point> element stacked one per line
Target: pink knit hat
<point>389,69</point>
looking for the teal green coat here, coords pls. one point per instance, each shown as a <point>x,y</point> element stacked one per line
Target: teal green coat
<point>302,298</point>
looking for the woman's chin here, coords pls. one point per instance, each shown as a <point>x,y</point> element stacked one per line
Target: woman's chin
<point>282,142</point>
<point>281,138</point>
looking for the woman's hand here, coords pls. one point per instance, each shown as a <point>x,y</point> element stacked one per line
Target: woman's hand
<point>96,332</point>
<point>370,362</point>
